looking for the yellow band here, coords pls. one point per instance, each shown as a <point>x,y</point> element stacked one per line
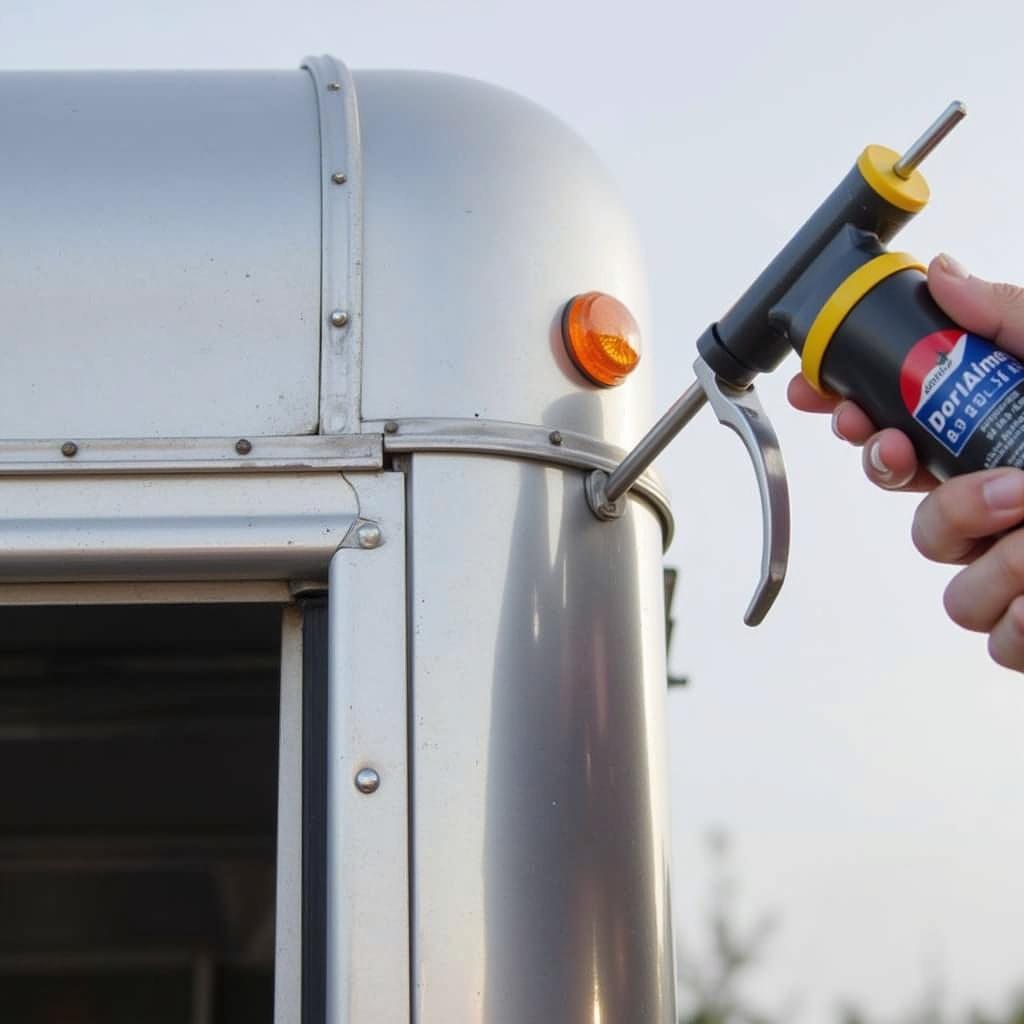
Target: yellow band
<point>875,165</point>
<point>839,304</point>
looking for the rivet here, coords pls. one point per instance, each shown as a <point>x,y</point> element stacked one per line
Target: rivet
<point>339,318</point>
<point>391,427</point>
<point>555,437</point>
<point>369,536</point>
<point>367,780</point>
<point>339,178</point>
<point>334,86</point>
<point>69,449</point>
<point>243,446</point>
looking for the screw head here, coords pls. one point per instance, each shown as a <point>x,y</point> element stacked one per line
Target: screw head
<point>69,449</point>
<point>369,536</point>
<point>339,178</point>
<point>555,437</point>
<point>391,427</point>
<point>243,446</point>
<point>367,780</point>
<point>334,86</point>
<point>339,318</point>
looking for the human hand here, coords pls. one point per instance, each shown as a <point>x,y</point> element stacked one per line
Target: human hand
<point>963,521</point>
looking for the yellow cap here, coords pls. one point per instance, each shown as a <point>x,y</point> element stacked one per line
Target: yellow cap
<point>910,194</point>
<point>839,305</point>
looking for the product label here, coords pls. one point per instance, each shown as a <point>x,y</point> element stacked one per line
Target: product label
<point>952,381</point>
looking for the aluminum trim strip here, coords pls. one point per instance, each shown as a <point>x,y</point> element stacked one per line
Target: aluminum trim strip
<point>522,441</point>
<point>234,527</point>
<point>341,179</point>
<point>232,592</point>
<point>192,455</point>
<point>368,941</point>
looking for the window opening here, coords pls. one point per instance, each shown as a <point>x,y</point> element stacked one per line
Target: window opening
<point>138,753</point>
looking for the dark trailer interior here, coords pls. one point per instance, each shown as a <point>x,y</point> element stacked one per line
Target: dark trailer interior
<point>138,813</point>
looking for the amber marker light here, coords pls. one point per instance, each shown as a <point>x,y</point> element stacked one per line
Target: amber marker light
<point>602,338</point>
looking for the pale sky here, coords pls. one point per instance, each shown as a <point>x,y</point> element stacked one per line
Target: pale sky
<point>861,750</point>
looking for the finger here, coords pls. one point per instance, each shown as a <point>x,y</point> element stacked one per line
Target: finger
<point>803,397</point>
<point>851,423</point>
<point>890,462</point>
<point>995,311</point>
<point>1006,641</point>
<point>950,521</point>
<point>978,596</point>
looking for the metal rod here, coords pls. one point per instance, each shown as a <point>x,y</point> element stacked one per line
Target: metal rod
<point>650,446</point>
<point>943,125</point>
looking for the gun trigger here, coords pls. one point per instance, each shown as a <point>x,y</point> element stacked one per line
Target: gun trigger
<point>740,410</point>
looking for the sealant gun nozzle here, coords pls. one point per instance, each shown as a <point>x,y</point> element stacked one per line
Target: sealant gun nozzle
<point>939,129</point>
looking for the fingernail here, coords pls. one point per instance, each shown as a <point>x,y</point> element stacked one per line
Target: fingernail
<point>875,458</point>
<point>953,267</point>
<point>835,422</point>
<point>1004,493</point>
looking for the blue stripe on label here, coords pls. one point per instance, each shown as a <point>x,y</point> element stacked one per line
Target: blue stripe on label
<point>964,388</point>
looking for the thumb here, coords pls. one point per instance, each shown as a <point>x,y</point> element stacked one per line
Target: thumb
<point>994,311</point>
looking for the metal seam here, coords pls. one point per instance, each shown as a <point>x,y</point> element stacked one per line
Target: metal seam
<point>515,440</point>
<point>341,246</point>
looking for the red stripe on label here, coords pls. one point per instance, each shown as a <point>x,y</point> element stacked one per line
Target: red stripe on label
<point>920,361</point>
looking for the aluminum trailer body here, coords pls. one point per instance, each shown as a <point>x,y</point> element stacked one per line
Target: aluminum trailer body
<point>285,347</point>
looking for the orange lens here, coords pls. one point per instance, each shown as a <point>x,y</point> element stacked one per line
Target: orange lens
<point>602,338</point>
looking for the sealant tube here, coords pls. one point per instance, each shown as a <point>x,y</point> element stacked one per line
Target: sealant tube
<point>867,328</point>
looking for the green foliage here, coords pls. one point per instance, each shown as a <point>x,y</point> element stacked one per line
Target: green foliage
<point>711,987</point>
<point>930,1012</point>
<point>711,992</point>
